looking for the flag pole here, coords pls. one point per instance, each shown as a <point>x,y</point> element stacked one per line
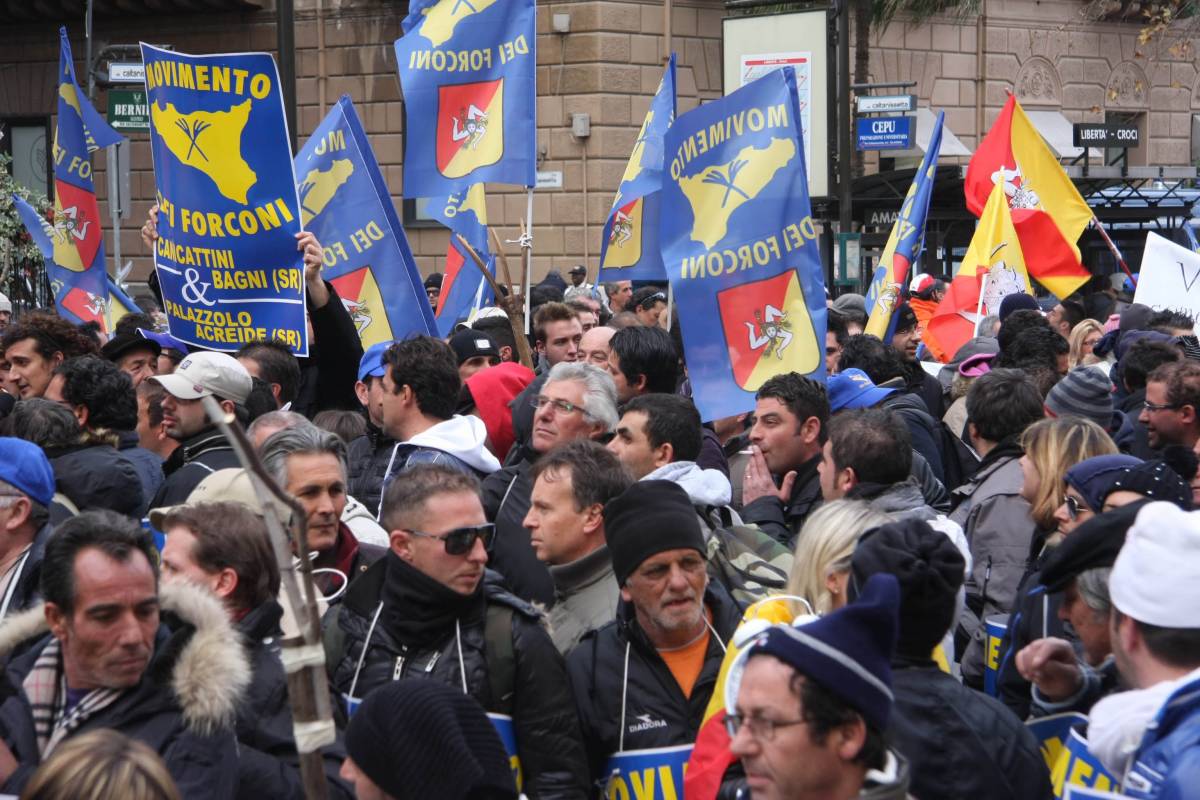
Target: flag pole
<point>1112,247</point>
<point>527,248</point>
<point>670,303</point>
<point>522,341</point>
<point>979,308</point>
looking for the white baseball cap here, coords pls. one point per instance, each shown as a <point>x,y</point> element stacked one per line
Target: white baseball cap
<point>1156,577</point>
<point>207,373</point>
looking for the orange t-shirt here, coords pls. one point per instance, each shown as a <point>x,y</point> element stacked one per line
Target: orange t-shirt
<point>686,662</point>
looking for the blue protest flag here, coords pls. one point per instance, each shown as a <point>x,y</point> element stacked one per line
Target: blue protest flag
<point>77,273</point>
<point>464,289</point>
<point>740,246</point>
<point>904,245</point>
<point>467,71</point>
<point>96,130</point>
<point>344,201</point>
<point>226,253</point>
<point>630,249</point>
<point>71,300</point>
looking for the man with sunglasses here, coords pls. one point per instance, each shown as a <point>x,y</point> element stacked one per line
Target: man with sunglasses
<point>1171,412</point>
<point>427,610</point>
<point>577,401</point>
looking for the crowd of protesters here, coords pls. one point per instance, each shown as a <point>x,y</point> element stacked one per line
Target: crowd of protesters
<point>803,592</point>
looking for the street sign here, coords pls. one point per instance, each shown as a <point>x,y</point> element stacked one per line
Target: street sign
<point>126,72</point>
<point>127,110</point>
<point>886,104</point>
<point>1105,134</point>
<point>885,133</point>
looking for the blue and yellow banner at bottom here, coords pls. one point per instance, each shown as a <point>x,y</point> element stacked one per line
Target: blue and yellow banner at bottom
<point>1067,756</point>
<point>651,774</point>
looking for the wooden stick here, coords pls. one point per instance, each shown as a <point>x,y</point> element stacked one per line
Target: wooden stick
<point>499,247</point>
<point>514,318</point>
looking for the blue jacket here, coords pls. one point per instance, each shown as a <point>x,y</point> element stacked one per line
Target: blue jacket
<point>1167,764</point>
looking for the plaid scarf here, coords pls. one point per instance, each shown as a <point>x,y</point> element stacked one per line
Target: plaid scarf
<point>46,688</point>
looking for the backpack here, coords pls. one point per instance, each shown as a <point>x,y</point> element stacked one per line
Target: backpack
<point>959,461</point>
<point>749,563</point>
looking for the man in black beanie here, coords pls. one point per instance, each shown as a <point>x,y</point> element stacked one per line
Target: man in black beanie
<point>959,742</point>
<point>906,339</point>
<point>645,679</point>
<point>418,738</point>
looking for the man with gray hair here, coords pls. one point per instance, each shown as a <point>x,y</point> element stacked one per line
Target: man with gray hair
<point>310,465</point>
<point>578,401</point>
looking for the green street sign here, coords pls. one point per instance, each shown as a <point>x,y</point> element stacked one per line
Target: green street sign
<point>127,110</point>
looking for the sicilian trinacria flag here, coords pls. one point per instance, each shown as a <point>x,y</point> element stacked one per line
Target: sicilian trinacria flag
<point>993,268</point>
<point>464,289</point>
<point>904,244</point>
<point>629,249</point>
<point>1047,211</point>
<point>467,71</point>
<point>345,202</point>
<point>77,269</point>
<point>72,302</point>
<point>739,244</point>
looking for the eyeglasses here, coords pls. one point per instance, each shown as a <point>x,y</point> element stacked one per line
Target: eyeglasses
<point>559,405</point>
<point>1073,507</point>
<point>761,728</point>
<point>460,540</point>
<point>1152,407</point>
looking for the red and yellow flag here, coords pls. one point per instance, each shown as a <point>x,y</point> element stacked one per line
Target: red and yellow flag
<point>1047,211</point>
<point>995,265</point>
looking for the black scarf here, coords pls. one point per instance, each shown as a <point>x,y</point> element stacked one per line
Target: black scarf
<point>1008,448</point>
<point>418,611</point>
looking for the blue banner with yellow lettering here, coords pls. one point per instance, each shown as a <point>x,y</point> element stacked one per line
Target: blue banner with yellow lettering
<point>467,71</point>
<point>76,269</point>
<point>630,248</point>
<point>226,254</point>
<point>464,289</point>
<point>344,201</point>
<point>1066,753</point>
<point>652,774</point>
<point>508,737</point>
<point>228,210</point>
<point>739,244</point>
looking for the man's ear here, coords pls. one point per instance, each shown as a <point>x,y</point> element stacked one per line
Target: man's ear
<point>82,414</point>
<point>625,595</point>
<point>810,430</point>
<point>664,454</point>
<point>360,391</point>
<point>56,618</point>
<point>227,581</point>
<point>641,383</point>
<point>401,544</point>
<point>594,521</point>
<point>846,479</point>
<point>506,353</point>
<point>848,739</point>
<point>228,406</point>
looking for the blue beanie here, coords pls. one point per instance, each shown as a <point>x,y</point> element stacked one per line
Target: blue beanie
<point>849,652</point>
<point>1094,477</point>
<point>1015,302</point>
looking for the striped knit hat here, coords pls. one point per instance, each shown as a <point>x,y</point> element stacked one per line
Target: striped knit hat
<point>1085,392</point>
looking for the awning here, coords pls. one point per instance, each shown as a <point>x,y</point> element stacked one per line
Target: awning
<point>1057,131</point>
<point>23,11</point>
<point>926,119</point>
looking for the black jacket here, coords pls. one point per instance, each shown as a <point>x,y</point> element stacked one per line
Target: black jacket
<point>1034,616</point>
<point>268,766</point>
<point>96,476</point>
<point>328,375</point>
<point>183,708</point>
<point>547,730</point>
<point>193,461</point>
<point>25,590</point>
<point>656,713</point>
<point>522,417</point>
<point>148,465</point>
<point>961,743</point>
<point>922,427</point>
<point>506,496</point>
<point>367,462</point>
<point>783,522</point>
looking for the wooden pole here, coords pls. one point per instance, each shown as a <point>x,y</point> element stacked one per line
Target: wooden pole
<point>514,317</point>
<point>503,259</point>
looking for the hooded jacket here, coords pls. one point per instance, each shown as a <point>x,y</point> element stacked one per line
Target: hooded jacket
<point>1167,763</point>
<point>656,713</point>
<point>367,460</point>
<point>506,499</point>
<point>94,476</point>
<point>361,654</point>
<point>961,743</point>
<point>783,521</point>
<point>268,765</point>
<point>458,443</point>
<point>998,525</point>
<point>183,708</point>
<point>193,461</point>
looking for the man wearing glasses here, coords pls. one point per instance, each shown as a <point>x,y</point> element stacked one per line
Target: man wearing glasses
<point>577,401</point>
<point>426,610</point>
<point>1171,412</point>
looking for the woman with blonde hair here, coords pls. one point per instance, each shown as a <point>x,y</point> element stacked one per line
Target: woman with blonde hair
<point>821,565</point>
<point>1082,339</point>
<point>1052,446</point>
<point>101,765</point>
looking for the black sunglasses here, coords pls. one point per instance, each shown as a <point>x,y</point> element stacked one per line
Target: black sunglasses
<point>1074,507</point>
<point>460,540</point>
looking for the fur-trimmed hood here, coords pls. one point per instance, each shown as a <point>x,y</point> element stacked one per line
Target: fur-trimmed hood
<point>210,670</point>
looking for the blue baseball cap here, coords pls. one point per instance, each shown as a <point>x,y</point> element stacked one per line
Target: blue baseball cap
<point>165,340</point>
<point>372,361</point>
<point>24,466</point>
<point>853,389</point>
